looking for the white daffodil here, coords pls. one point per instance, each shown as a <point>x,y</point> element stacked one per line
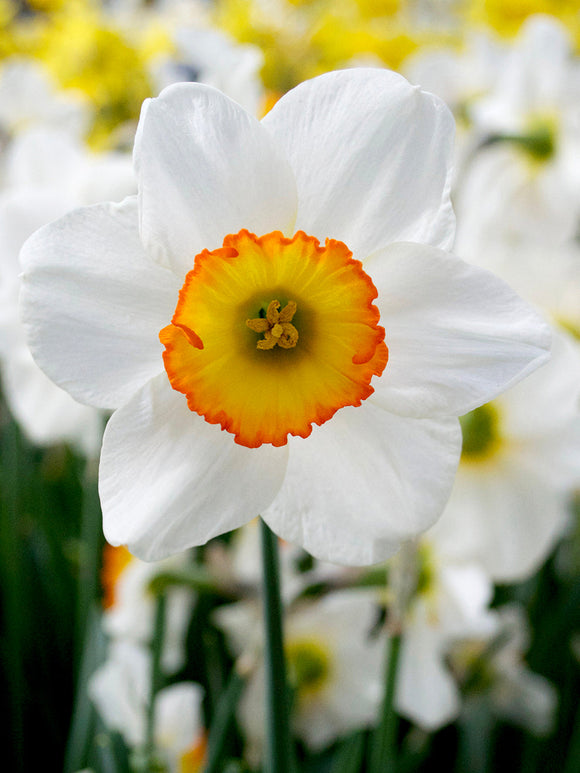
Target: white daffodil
<point>459,77</point>
<point>548,276</point>
<point>285,265</point>
<point>131,615</point>
<point>449,601</point>
<point>120,690</point>
<point>28,97</point>
<point>47,173</point>
<point>334,658</point>
<point>494,673</point>
<point>519,467</point>
<point>524,183</point>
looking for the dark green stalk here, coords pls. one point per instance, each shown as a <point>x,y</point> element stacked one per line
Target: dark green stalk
<point>12,590</point>
<point>222,721</point>
<point>405,576</point>
<point>84,719</point>
<point>91,545</point>
<point>145,761</point>
<point>278,746</point>
<point>573,756</point>
<point>384,742</point>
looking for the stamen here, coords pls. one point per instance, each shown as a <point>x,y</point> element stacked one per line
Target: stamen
<point>276,326</point>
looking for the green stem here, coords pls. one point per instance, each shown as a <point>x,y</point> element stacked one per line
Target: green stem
<point>384,747</point>
<point>574,747</point>
<point>84,719</point>
<point>91,550</point>
<point>278,748</point>
<point>222,720</point>
<point>12,585</point>
<point>475,737</point>
<point>156,680</point>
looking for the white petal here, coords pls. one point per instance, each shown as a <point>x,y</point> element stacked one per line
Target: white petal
<point>365,482</point>
<point>44,156</point>
<point>546,403</point>
<point>46,413</point>
<point>178,718</point>
<point>426,692</point>
<point>169,480</point>
<point>372,159</point>
<point>23,211</point>
<point>28,96</point>
<point>457,335</point>
<point>132,616</point>
<point>205,169</point>
<point>93,304</point>
<point>119,688</point>
<point>502,517</point>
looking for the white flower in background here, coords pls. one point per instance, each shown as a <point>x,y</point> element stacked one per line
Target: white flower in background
<point>209,56</point>
<point>334,660</point>
<point>120,691</point>
<point>519,467</point>
<point>131,615</point>
<point>274,337</point>
<point>47,173</point>
<point>493,670</point>
<point>524,183</point>
<point>450,602</point>
<point>460,77</point>
<point>28,98</point>
<point>548,276</point>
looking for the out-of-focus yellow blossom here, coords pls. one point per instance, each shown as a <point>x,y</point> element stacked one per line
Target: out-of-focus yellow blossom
<point>340,39</point>
<point>47,5</point>
<point>82,51</point>
<point>8,11</point>
<point>284,51</point>
<point>301,40</point>
<point>154,39</point>
<point>85,50</point>
<point>507,16</point>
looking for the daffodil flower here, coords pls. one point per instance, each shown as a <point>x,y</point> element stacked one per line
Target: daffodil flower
<point>334,213</point>
<point>46,173</point>
<point>519,468</point>
<point>119,690</point>
<point>335,655</point>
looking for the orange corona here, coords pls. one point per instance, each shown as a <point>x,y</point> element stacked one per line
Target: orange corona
<point>272,335</point>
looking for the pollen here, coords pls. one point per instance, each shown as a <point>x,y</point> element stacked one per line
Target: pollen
<point>276,325</point>
<point>272,335</point>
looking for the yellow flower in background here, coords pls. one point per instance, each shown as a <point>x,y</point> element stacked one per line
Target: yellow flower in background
<point>301,40</point>
<point>338,41</point>
<point>8,44</point>
<point>82,51</point>
<point>507,16</point>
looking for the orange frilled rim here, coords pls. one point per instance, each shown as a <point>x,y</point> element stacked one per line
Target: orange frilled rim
<point>272,335</point>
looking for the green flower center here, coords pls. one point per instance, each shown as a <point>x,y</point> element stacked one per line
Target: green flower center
<point>539,142</point>
<point>480,430</point>
<point>426,570</point>
<point>308,665</point>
